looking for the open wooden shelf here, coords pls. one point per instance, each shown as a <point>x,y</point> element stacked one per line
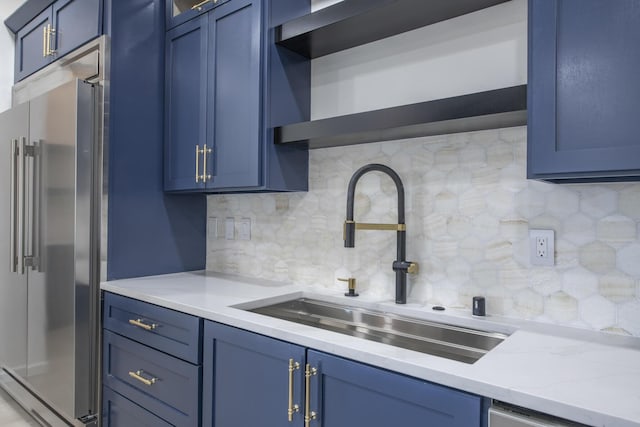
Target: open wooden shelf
<point>352,23</point>
<point>492,109</point>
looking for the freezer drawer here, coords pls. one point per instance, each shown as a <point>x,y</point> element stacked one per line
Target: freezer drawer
<point>162,384</point>
<point>175,333</point>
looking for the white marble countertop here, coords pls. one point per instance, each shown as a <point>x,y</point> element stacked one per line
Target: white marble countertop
<point>583,376</point>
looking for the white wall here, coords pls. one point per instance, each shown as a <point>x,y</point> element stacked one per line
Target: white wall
<point>480,51</point>
<point>7,7</point>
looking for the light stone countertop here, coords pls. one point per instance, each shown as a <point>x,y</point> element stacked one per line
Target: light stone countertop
<point>584,376</point>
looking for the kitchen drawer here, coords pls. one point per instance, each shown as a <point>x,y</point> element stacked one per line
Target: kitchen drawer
<point>118,411</point>
<point>166,386</point>
<point>167,330</point>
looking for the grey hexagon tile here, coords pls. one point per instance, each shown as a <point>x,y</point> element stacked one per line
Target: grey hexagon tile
<point>473,157</point>
<point>500,202</point>
<point>530,203</point>
<point>579,283</point>
<point>598,257</point>
<point>545,281</point>
<point>617,288</point>
<point>458,226</point>
<point>485,226</point>
<point>629,202</point>
<point>598,312</point>
<point>562,203</point>
<point>528,304</point>
<point>561,307</point>
<point>472,202</point>
<point>458,180</point>
<point>629,317</point>
<point>629,260</point>
<point>598,202</point>
<point>579,229</point>
<point>616,228</point>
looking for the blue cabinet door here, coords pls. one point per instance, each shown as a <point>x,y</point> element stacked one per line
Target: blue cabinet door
<point>346,394</point>
<point>31,46</point>
<point>233,113</point>
<point>185,105</point>
<point>75,23</point>
<point>583,92</point>
<point>246,379</point>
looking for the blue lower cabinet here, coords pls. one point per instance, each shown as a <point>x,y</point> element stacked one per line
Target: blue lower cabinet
<point>252,380</point>
<point>345,393</point>
<point>164,385</point>
<point>118,411</point>
<point>247,379</point>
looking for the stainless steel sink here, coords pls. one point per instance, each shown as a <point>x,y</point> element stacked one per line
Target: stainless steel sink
<point>439,339</point>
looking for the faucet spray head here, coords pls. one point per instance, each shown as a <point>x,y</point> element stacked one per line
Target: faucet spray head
<point>349,234</point>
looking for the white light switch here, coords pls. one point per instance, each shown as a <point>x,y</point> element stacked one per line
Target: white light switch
<point>212,227</point>
<point>229,229</point>
<point>244,229</point>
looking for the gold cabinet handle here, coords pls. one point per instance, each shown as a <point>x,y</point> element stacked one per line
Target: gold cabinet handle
<point>50,32</point>
<point>44,40</point>
<point>309,415</point>
<point>202,3</point>
<point>138,376</point>
<point>205,151</point>
<point>197,164</point>
<point>139,323</point>
<point>292,409</point>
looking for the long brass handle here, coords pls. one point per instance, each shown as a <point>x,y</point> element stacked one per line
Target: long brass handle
<point>205,151</point>
<point>138,376</point>
<point>139,323</point>
<point>197,164</point>
<point>12,206</point>
<point>44,41</point>
<point>202,3</point>
<point>51,32</point>
<point>293,408</point>
<point>309,415</point>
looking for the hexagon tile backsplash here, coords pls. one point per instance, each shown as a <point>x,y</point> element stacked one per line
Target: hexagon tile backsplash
<point>469,208</point>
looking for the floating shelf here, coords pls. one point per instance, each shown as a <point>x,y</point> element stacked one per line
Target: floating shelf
<point>492,109</point>
<point>352,23</point>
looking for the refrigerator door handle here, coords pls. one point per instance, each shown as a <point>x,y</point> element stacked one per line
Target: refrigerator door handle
<point>13,229</point>
<point>21,199</point>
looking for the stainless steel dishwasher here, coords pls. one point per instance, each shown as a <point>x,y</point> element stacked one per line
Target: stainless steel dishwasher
<point>503,415</point>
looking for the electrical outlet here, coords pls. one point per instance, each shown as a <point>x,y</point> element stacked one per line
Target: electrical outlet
<point>542,247</point>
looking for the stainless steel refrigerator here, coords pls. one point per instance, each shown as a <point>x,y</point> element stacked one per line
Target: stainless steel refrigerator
<point>49,252</point>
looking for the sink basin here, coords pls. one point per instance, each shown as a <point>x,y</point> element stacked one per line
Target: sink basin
<point>438,339</point>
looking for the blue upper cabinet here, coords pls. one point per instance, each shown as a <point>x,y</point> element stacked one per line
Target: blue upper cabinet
<point>185,104</point>
<point>179,11</point>
<point>228,85</point>
<point>583,92</point>
<point>56,31</point>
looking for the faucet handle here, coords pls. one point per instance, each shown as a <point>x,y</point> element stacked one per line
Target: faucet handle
<point>413,268</point>
<point>351,283</point>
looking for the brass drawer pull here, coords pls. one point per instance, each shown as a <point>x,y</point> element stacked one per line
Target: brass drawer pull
<point>140,323</point>
<point>138,376</point>
<point>309,415</point>
<point>292,409</point>
<point>202,3</point>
